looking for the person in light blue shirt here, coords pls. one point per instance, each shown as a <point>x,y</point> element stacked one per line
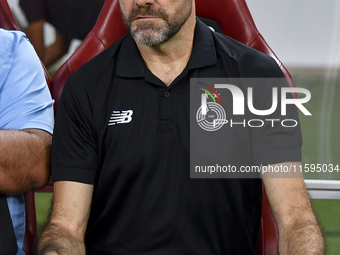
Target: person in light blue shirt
<point>26,125</point>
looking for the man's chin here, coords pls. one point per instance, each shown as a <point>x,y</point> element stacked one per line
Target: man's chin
<point>149,39</point>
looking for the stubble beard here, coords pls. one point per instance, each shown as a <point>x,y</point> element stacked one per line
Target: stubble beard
<point>151,33</point>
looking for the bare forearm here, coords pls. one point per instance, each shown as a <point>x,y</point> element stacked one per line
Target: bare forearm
<point>58,240</point>
<point>71,209</point>
<point>303,237</point>
<point>24,160</point>
<point>299,231</point>
<point>35,32</point>
<point>56,50</point>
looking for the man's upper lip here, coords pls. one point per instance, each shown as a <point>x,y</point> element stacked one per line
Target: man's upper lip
<point>145,17</point>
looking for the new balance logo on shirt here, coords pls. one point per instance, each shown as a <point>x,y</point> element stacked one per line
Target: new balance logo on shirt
<point>120,117</point>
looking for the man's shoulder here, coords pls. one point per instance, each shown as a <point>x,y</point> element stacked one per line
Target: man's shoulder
<point>251,61</point>
<point>9,39</point>
<point>95,67</point>
<point>102,59</point>
<point>10,36</point>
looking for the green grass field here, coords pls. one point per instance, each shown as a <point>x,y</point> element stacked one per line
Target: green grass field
<point>321,145</point>
<point>321,139</point>
<point>329,215</point>
<point>43,203</point>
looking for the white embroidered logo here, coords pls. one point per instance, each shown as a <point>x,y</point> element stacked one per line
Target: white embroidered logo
<point>120,117</point>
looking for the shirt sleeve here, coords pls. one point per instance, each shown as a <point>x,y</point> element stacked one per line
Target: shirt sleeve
<point>74,145</point>
<point>25,100</point>
<point>279,138</point>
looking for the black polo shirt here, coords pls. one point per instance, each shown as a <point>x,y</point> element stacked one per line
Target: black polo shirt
<point>123,130</point>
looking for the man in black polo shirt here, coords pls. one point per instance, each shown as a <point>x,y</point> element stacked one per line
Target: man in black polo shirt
<point>120,154</point>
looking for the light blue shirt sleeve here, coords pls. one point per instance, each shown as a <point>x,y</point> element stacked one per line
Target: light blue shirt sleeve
<point>25,102</point>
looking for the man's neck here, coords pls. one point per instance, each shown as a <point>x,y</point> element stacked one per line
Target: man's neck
<point>168,60</point>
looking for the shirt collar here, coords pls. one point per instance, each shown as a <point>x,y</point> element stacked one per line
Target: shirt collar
<point>131,64</point>
<point>203,52</point>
